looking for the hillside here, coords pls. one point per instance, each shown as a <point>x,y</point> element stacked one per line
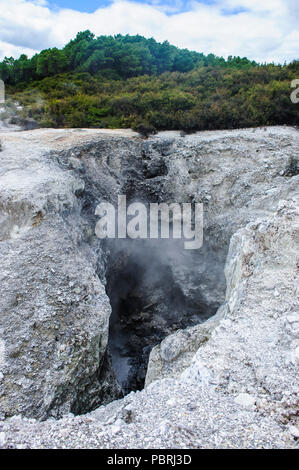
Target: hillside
<point>130,81</point>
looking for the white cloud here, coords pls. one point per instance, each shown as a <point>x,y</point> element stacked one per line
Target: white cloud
<point>265,31</point>
<point>9,50</point>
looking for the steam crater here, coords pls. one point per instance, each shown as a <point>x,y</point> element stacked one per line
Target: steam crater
<point>155,287</point>
<point>148,302</point>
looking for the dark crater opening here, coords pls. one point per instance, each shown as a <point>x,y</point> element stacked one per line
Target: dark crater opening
<point>155,287</point>
<point>153,290</point>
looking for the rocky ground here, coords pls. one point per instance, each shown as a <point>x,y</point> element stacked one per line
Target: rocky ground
<point>226,382</point>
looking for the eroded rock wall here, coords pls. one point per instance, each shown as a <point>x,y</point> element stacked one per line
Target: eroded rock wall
<point>240,390</point>
<point>55,312</point>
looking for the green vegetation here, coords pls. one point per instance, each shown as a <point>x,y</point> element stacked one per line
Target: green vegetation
<point>130,81</point>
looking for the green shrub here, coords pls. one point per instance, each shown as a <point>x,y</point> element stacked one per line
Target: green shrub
<point>129,81</point>
<point>144,129</point>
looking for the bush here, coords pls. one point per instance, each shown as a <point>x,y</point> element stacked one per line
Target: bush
<point>292,168</point>
<point>100,91</point>
<point>144,129</point>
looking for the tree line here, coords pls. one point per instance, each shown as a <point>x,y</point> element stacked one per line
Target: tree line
<point>114,57</point>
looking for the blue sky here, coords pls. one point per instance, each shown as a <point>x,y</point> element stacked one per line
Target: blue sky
<point>169,6</point>
<point>92,5</point>
<point>263,30</point>
<point>87,5</point>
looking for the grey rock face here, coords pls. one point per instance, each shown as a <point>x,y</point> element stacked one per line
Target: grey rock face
<point>175,352</point>
<point>53,323</point>
<point>227,382</point>
<point>55,312</point>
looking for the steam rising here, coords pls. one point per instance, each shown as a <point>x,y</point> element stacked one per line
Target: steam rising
<point>154,289</point>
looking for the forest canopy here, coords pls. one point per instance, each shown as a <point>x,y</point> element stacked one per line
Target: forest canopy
<point>131,81</point>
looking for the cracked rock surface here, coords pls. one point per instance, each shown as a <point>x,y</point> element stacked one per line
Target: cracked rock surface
<point>228,382</point>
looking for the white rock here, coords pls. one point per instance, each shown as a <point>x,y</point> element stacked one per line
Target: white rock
<point>246,400</point>
<point>295,355</point>
<point>294,430</point>
<point>119,423</point>
<point>293,317</point>
<point>2,439</point>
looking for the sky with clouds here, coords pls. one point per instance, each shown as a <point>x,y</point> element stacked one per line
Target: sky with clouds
<point>264,30</point>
